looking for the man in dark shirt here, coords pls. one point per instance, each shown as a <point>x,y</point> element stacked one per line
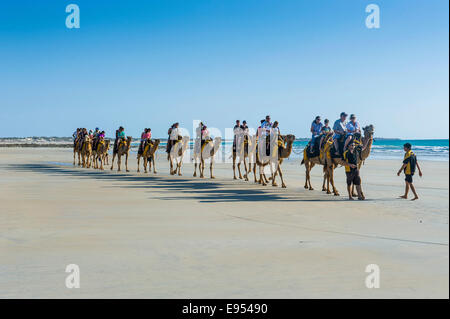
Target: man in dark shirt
<point>351,157</point>
<point>409,167</point>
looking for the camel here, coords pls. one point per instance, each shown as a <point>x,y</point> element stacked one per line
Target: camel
<point>148,155</point>
<point>100,154</point>
<point>242,153</point>
<point>176,155</point>
<point>332,163</point>
<point>277,157</point>
<point>76,151</point>
<point>317,160</point>
<point>122,149</point>
<point>86,152</point>
<point>210,148</point>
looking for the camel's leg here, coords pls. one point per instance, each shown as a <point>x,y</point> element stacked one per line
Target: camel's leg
<point>254,172</point>
<point>360,192</point>
<point>324,189</point>
<point>281,177</point>
<point>211,168</point>
<point>306,174</point>
<point>327,174</point>
<point>239,168</point>
<point>138,160</point>
<point>119,162</point>
<point>101,162</point>
<point>273,175</point>
<point>262,177</point>
<point>126,162</point>
<point>146,161</point>
<point>74,153</point>
<point>246,171</point>
<point>234,165</point>
<point>202,168</point>
<point>172,172</point>
<point>153,161</point>
<point>331,173</point>
<point>195,167</point>
<point>179,167</point>
<point>112,162</point>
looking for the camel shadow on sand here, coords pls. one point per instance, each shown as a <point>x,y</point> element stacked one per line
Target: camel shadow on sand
<point>202,190</point>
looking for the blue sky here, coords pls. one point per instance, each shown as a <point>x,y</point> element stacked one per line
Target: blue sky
<point>151,63</point>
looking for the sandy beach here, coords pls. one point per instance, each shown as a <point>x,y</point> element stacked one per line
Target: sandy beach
<point>160,236</point>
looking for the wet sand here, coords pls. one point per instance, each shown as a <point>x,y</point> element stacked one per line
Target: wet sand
<point>160,236</point>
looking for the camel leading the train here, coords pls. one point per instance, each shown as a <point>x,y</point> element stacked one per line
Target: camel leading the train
<point>175,156</point>
<point>210,148</point>
<point>148,155</point>
<point>122,149</point>
<point>242,153</point>
<point>332,163</point>
<point>86,152</point>
<point>277,156</point>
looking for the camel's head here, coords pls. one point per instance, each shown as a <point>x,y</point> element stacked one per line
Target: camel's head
<point>289,138</point>
<point>368,130</point>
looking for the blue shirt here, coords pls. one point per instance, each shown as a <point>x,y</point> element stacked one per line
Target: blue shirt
<point>339,127</point>
<point>352,128</point>
<point>316,128</point>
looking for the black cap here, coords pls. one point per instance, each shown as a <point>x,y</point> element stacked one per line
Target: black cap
<point>344,114</point>
<point>352,116</point>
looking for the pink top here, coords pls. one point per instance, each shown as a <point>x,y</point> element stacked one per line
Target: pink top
<point>146,136</point>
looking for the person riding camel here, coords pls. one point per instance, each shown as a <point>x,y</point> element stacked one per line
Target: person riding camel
<point>205,136</point>
<point>326,129</point>
<point>316,129</point>
<point>173,136</point>
<point>266,127</point>
<point>120,137</point>
<point>258,132</point>
<point>352,128</point>
<point>75,136</point>
<point>81,137</point>
<point>95,138</point>
<point>340,129</point>
<point>145,137</point>
<point>237,131</point>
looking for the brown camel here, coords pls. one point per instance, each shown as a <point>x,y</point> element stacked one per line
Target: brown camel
<point>86,152</point>
<point>210,148</point>
<point>317,160</point>
<point>332,163</point>
<point>76,151</point>
<point>122,149</point>
<point>99,155</point>
<point>148,155</point>
<point>279,153</point>
<point>243,152</point>
<point>176,155</point>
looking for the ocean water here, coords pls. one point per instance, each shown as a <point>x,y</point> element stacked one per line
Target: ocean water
<point>431,150</point>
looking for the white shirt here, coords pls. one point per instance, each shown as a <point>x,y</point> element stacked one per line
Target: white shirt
<point>174,134</point>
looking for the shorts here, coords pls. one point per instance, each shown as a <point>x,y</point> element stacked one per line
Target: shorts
<point>336,136</point>
<point>408,178</point>
<point>353,177</point>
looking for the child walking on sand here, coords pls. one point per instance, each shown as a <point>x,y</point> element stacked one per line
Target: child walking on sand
<point>409,167</point>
